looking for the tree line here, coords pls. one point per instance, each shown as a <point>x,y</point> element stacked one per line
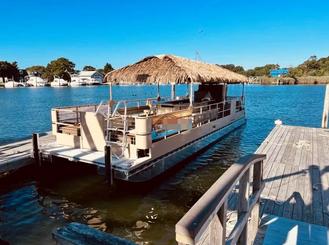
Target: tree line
<point>9,70</point>
<point>310,67</point>
<point>61,67</point>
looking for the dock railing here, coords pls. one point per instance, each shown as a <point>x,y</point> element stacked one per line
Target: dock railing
<point>205,222</point>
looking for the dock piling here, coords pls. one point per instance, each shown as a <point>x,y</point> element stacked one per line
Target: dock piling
<point>35,144</point>
<point>108,165</point>
<point>325,108</point>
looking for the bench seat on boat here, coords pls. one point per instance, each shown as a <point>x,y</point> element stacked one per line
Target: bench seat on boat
<point>71,130</point>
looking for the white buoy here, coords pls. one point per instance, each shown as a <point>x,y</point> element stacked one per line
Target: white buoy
<point>278,122</point>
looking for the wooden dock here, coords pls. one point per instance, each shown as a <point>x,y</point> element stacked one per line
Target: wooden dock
<point>16,155</point>
<point>296,174</point>
<point>293,199</point>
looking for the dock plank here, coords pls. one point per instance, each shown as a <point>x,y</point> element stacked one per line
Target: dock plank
<point>323,160</point>
<point>296,174</point>
<point>286,231</point>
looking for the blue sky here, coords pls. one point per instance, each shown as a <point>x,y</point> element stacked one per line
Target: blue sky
<point>248,33</point>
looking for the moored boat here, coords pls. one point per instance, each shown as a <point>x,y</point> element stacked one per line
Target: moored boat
<point>59,82</point>
<point>35,81</point>
<point>13,84</point>
<point>149,136</point>
<point>77,82</point>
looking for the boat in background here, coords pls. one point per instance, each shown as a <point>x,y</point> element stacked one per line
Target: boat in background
<point>92,81</point>
<point>35,81</point>
<point>59,82</point>
<point>13,84</point>
<point>77,82</point>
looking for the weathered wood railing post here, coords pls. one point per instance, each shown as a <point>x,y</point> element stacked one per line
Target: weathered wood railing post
<point>256,186</point>
<point>243,204</point>
<point>108,165</point>
<point>173,91</point>
<point>35,143</point>
<point>222,215</point>
<point>325,108</point>
<point>205,222</point>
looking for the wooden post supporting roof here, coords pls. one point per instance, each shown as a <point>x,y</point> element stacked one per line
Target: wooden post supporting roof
<point>191,94</point>
<point>111,93</point>
<point>173,91</point>
<point>158,91</point>
<point>325,108</point>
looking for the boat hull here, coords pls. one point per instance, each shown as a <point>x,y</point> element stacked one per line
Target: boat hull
<point>158,166</point>
<point>13,84</point>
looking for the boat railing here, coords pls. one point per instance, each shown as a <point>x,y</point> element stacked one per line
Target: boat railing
<point>205,222</point>
<point>70,114</point>
<point>145,101</point>
<point>126,108</point>
<point>119,120</point>
<point>119,117</point>
<point>210,112</point>
<point>164,124</point>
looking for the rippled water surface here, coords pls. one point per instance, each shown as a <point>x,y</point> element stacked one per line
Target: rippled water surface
<point>33,204</point>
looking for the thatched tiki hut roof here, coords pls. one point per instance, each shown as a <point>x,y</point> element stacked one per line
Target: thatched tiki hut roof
<point>170,68</point>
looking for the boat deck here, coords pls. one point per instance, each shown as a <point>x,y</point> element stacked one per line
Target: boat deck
<point>92,157</point>
<point>296,174</point>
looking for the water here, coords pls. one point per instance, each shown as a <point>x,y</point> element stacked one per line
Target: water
<point>32,205</point>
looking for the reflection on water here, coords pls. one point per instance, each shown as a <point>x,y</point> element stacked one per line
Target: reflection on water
<point>32,205</point>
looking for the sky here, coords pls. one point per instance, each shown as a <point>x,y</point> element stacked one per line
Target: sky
<point>247,33</point>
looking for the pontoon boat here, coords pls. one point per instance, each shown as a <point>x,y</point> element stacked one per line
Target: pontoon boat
<point>150,136</point>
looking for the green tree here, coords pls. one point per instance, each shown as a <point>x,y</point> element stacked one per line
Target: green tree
<point>36,70</point>
<point>311,67</point>
<point>108,68</point>
<point>23,74</point>
<point>234,68</point>
<point>296,72</point>
<point>251,73</point>
<point>100,71</point>
<point>9,70</point>
<point>61,67</point>
<point>257,71</point>
<point>265,70</point>
<point>89,68</point>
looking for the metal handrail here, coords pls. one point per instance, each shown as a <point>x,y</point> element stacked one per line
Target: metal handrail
<point>195,223</point>
<point>98,108</point>
<point>115,115</point>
